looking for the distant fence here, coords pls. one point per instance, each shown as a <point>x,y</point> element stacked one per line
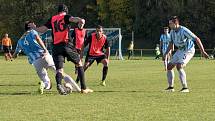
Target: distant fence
<point>151,52</point>
<point>144,52</point>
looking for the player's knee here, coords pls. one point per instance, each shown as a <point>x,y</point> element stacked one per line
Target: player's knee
<point>170,66</point>
<point>59,71</point>
<point>179,66</point>
<point>79,64</point>
<point>105,62</point>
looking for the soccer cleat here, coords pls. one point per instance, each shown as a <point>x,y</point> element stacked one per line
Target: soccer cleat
<point>85,91</point>
<point>61,89</point>
<point>68,88</point>
<point>170,89</point>
<point>184,90</point>
<point>103,83</point>
<point>41,87</point>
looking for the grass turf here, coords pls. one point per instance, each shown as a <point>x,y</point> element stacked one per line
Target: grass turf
<point>133,93</point>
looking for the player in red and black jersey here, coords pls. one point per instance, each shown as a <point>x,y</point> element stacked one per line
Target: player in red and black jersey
<point>62,46</point>
<point>97,41</point>
<point>78,38</point>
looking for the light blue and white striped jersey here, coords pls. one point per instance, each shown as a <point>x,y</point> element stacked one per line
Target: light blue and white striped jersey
<point>183,38</point>
<point>165,39</point>
<point>28,44</point>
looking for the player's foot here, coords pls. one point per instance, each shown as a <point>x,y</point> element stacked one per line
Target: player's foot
<point>61,89</point>
<point>103,83</point>
<point>41,87</point>
<point>184,90</point>
<point>170,89</point>
<point>50,86</point>
<point>68,88</point>
<point>85,91</point>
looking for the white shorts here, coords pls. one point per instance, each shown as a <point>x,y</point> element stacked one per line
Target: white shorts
<point>182,57</point>
<point>45,62</point>
<point>41,65</point>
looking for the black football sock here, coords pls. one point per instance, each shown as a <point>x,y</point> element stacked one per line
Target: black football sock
<point>81,77</point>
<point>58,77</point>
<point>104,74</point>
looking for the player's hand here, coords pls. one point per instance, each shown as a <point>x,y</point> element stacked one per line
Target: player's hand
<point>32,25</point>
<point>205,55</point>
<point>45,53</point>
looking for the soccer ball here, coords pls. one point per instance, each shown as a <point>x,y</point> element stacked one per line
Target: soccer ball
<point>68,87</point>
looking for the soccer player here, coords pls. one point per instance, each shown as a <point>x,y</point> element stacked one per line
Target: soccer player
<point>63,46</point>
<point>32,45</point>
<point>7,47</point>
<point>97,41</point>
<point>157,52</point>
<point>184,40</point>
<point>130,49</point>
<point>78,37</point>
<point>164,42</point>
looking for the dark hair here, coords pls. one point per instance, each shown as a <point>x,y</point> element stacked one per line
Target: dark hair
<point>62,8</point>
<point>165,27</point>
<point>174,19</point>
<point>99,27</point>
<point>26,24</point>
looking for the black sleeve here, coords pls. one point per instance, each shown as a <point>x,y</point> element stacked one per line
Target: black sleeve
<point>88,40</point>
<point>66,19</point>
<point>48,24</point>
<point>107,44</point>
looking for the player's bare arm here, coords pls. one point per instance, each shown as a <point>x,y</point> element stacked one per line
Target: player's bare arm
<point>108,53</point>
<point>40,42</point>
<point>170,47</point>
<point>199,43</point>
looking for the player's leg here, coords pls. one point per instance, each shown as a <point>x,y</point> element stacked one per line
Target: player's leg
<point>184,59</point>
<point>129,54</point>
<point>182,77</point>
<point>59,60</point>
<point>69,80</point>
<point>39,65</point>
<point>170,72</point>
<point>81,77</point>
<point>87,64</point>
<point>73,56</point>
<point>170,77</point>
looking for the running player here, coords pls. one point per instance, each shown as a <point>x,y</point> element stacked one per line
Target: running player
<point>62,46</point>
<point>184,40</point>
<point>32,45</point>
<point>97,41</point>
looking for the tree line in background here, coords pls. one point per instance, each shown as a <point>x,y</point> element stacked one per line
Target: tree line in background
<point>145,17</point>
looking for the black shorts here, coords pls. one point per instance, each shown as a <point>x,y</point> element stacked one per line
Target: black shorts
<point>6,49</point>
<point>91,59</point>
<point>62,50</point>
<point>81,53</point>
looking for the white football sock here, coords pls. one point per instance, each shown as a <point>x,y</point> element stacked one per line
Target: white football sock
<point>43,75</point>
<point>170,77</point>
<point>69,79</point>
<point>182,76</point>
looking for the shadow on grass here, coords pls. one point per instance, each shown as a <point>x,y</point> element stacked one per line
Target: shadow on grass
<point>28,93</point>
<point>132,91</point>
<point>11,85</point>
<point>16,93</point>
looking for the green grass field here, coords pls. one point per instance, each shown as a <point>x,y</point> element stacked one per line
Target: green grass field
<point>134,92</point>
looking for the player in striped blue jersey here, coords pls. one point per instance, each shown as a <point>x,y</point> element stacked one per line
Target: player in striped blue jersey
<point>32,45</point>
<point>164,42</point>
<point>184,40</point>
